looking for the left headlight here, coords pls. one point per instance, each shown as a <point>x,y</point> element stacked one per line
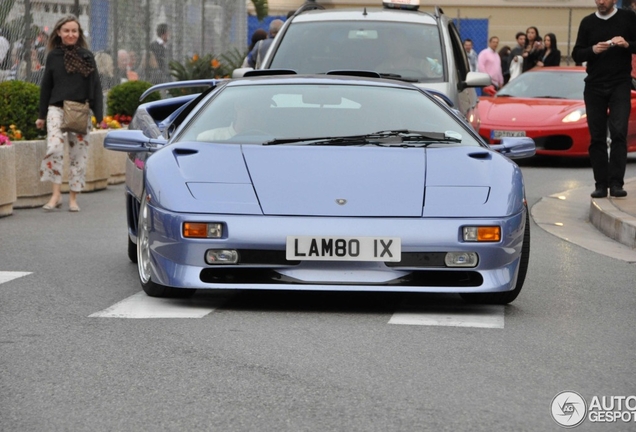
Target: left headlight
<point>575,116</point>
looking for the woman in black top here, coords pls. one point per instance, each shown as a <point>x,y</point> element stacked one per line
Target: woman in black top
<point>534,45</point>
<point>70,74</point>
<point>550,56</point>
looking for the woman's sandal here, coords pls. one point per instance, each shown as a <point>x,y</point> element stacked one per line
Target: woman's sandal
<point>49,207</point>
<point>73,208</point>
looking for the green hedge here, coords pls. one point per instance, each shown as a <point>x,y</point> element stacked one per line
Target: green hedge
<point>19,101</point>
<point>124,98</point>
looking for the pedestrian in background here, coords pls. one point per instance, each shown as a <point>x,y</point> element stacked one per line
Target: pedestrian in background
<point>160,53</point>
<point>70,74</point>
<point>258,35</point>
<point>534,45</point>
<point>120,73</point>
<point>471,54</point>
<point>550,56</point>
<point>261,47</point>
<point>5,48</point>
<point>106,70</point>
<point>606,40</point>
<point>504,54</point>
<point>515,59</point>
<point>632,8</point>
<point>489,62</point>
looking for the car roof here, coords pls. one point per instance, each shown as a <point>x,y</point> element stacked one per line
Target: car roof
<point>320,79</point>
<point>367,14</point>
<point>558,69</point>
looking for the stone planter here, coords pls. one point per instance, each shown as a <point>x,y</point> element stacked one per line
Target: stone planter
<point>102,164</point>
<point>7,180</point>
<point>31,192</point>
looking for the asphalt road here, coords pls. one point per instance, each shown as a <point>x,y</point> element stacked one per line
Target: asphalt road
<point>300,361</point>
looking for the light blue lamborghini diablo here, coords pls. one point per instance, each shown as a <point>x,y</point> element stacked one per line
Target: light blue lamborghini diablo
<point>329,182</point>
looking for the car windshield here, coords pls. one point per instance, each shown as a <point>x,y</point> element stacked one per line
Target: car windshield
<point>410,51</point>
<point>293,113</point>
<point>546,84</point>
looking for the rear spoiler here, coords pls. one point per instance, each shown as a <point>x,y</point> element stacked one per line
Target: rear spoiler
<point>181,84</point>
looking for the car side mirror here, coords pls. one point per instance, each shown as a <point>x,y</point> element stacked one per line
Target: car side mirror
<point>489,90</point>
<point>516,148</point>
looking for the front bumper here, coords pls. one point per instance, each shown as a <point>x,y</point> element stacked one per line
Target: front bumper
<point>180,262</point>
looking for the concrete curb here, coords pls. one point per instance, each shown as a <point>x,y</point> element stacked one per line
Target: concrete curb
<point>613,222</point>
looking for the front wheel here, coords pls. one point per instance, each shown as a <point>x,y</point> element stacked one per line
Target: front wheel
<point>507,296</point>
<point>143,259</point>
<point>132,251</point>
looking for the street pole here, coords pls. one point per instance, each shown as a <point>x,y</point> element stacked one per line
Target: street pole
<point>28,41</point>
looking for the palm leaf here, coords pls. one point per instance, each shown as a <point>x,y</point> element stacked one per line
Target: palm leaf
<point>261,8</point>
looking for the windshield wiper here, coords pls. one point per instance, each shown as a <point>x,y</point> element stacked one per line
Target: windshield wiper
<point>548,97</point>
<point>397,76</point>
<point>384,137</point>
<point>339,140</point>
<point>419,136</point>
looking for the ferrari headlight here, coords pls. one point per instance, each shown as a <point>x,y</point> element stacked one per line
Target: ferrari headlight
<point>481,233</point>
<point>575,116</point>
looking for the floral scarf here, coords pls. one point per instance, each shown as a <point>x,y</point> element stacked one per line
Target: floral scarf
<point>73,62</point>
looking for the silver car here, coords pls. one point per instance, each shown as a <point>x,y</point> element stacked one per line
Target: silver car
<point>407,44</point>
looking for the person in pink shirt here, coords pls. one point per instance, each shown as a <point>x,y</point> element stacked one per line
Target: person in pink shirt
<point>489,62</point>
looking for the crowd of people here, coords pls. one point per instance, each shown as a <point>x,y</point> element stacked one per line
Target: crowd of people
<point>17,62</point>
<point>606,45</point>
<point>507,63</point>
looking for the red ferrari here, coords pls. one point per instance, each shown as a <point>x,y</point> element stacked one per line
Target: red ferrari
<point>545,104</point>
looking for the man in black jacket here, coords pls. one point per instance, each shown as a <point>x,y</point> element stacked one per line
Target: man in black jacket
<point>160,52</point>
<point>606,40</point>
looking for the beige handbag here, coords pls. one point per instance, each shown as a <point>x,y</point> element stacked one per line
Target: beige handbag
<point>76,117</point>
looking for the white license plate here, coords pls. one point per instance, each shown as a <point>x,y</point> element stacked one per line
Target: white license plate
<point>344,248</point>
<point>498,134</point>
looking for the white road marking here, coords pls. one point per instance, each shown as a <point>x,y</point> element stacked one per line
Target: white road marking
<point>6,276</point>
<point>141,305</point>
<point>484,316</point>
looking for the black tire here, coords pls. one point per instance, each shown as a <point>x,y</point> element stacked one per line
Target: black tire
<point>132,251</point>
<point>502,298</point>
<point>143,261</point>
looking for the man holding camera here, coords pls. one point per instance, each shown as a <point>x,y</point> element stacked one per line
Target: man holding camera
<point>606,41</point>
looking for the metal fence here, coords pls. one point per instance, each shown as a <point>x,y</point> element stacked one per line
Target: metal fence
<point>111,26</point>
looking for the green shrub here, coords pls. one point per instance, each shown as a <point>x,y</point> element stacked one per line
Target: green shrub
<point>19,103</point>
<point>124,98</point>
<point>205,67</point>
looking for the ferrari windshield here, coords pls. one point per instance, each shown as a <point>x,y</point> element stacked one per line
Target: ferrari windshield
<point>397,49</point>
<point>546,84</point>
<point>293,113</point>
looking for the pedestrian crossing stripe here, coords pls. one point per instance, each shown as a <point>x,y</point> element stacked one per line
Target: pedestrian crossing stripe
<point>6,276</point>
<point>142,306</point>
<point>461,315</point>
